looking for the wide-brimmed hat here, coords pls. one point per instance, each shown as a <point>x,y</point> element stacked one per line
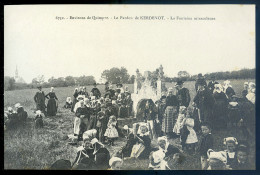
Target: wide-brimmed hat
<point>106,83</point>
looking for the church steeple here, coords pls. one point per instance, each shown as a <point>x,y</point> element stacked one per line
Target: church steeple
<point>16,73</point>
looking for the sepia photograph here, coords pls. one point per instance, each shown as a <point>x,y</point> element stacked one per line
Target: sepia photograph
<point>129,87</point>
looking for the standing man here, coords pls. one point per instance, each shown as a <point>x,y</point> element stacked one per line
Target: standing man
<point>39,99</point>
<point>96,91</point>
<point>200,81</point>
<point>211,84</point>
<point>204,101</point>
<point>183,94</point>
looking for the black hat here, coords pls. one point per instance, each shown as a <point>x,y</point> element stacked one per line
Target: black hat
<point>119,84</point>
<point>200,75</point>
<point>39,86</point>
<point>95,83</point>
<point>106,83</point>
<point>179,82</point>
<point>163,97</point>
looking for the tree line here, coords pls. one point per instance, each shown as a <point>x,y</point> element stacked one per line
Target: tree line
<point>119,75</point>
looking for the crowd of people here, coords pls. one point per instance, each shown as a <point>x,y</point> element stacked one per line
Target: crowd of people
<point>174,116</point>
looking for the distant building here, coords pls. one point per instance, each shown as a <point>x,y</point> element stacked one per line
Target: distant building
<point>17,78</point>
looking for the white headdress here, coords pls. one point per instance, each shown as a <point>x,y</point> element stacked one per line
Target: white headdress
<point>10,109</point>
<point>17,105</point>
<point>217,155</point>
<point>230,139</point>
<point>139,129</point>
<point>114,159</point>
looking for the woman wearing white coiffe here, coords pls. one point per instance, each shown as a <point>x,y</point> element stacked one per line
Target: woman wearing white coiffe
<point>251,92</point>
<point>228,90</point>
<point>77,105</point>
<point>77,120</point>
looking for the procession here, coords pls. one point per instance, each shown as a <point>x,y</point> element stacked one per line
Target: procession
<point>174,116</point>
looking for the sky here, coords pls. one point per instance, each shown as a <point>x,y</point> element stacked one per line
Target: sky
<point>39,44</point>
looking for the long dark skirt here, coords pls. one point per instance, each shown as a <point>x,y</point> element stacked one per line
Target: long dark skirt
<point>51,107</point>
<point>122,113</point>
<point>220,114</point>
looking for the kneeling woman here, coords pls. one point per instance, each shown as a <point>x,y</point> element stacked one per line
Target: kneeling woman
<point>52,105</point>
<point>142,147</point>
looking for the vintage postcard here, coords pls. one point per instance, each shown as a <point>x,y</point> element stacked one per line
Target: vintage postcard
<point>129,87</point>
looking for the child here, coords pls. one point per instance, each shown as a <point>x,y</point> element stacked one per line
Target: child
<point>230,143</point>
<point>205,143</point>
<point>111,131</point>
<point>216,160</point>
<point>142,147</point>
<point>181,116</point>
<point>68,103</point>
<point>241,162</point>
<point>234,113</point>
<point>188,136</point>
<point>38,119</point>
<point>101,124</point>
<point>157,161</point>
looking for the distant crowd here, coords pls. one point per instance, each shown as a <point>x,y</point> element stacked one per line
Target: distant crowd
<point>175,116</point>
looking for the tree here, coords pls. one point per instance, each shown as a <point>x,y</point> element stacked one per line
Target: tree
<point>182,74</point>
<point>116,75</point>
<point>9,83</point>
<point>70,81</point>
<point>85,80</point>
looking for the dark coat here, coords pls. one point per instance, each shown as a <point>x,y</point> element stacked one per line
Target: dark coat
<point>200,81</point>
<point>211,85</point>
<point>172,101</point>
<point>39,99</point>
<point>183,96</point>
<point>205,143</point>
<point>205,102</point>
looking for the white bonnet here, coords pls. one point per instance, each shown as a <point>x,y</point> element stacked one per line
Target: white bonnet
<point>114,159</point>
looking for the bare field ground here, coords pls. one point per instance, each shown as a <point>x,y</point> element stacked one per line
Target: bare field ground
<point>27,148</point>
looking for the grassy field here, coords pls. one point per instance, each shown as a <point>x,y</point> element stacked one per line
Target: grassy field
<point>27,148</point>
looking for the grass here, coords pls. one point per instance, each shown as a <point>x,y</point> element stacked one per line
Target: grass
<point>27,148</point>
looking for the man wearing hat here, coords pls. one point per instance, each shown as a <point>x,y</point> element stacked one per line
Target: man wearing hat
<point>200,81</point>
<point>96,91</point>
<point>119,88</point>
<point>39,99</point>
<point>204,102</point>
<point>183,94</point>
<point>211,84</point>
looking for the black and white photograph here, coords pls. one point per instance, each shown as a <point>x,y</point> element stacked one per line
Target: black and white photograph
<point>129,87</point>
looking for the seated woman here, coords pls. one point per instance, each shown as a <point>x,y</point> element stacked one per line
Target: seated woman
<point>10,118</point>
<point>85,151</point>
<point>142,147</point>
<point>101,155</point>
<point>126,150</point>
<point>68,103</point>
<point>21,114</point>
